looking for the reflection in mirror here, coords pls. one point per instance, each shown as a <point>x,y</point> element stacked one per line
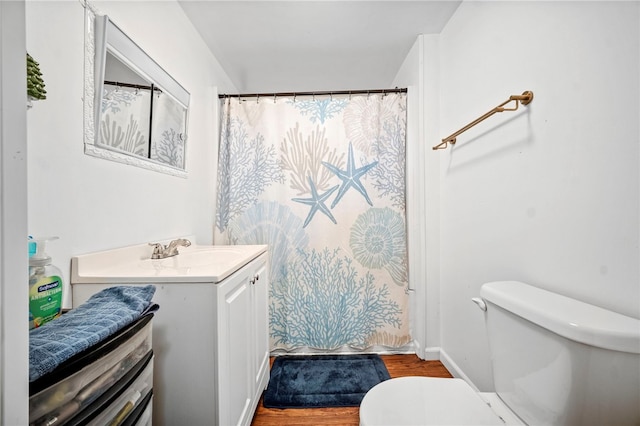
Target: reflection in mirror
<point>139,111</point>
<point>125,108</point>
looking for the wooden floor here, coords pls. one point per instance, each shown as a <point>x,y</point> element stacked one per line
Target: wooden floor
<point>398,366</point>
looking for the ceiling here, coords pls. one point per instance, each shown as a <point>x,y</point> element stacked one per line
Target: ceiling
<point>305,46</point>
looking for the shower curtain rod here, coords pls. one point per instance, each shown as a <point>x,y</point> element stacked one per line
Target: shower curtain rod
<point>133,86</point>
<point>330,93</point>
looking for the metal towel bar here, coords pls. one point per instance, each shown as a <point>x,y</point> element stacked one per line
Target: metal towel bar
<point>525,98</point>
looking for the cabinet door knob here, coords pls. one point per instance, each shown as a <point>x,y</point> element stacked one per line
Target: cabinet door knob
<point>256,277</point>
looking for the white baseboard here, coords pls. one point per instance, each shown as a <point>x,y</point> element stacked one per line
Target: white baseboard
<point>453,368</point>
<point>431,354</point>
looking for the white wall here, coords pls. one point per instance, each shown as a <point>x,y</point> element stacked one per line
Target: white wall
<point>93,204</point>
<point>549,194</point>
<point>423,193</point>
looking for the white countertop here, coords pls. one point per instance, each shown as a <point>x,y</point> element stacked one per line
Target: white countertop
<point>197,263</point>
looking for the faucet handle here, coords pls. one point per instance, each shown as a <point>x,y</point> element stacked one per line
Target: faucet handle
<point>157,250</point>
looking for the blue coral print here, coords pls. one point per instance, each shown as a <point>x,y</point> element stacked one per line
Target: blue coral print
<point>321,109</point>
<point>322,303</point>
<point>389,177</point>
<point>248,165</point>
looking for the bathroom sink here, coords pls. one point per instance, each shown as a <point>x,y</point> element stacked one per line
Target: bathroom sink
<point>197,263</point>
<point>198,258</point>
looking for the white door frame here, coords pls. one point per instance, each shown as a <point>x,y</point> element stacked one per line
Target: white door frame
<point>14,336</point>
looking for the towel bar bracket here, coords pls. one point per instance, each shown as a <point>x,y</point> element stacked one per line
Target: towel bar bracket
<point>525,98</point>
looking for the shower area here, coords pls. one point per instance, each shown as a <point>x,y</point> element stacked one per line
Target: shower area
<point>321,179</point>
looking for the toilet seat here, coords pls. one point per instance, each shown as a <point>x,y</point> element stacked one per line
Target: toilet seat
<point>425,401</point>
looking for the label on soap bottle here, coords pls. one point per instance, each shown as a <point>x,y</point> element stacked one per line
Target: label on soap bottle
<point>45,300</point>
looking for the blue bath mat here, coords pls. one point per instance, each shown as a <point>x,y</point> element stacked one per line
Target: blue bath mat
<point>313,381</point>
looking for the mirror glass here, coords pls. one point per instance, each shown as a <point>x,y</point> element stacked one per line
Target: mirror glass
<point>139,111</point>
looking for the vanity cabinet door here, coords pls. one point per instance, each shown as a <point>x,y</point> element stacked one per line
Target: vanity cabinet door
<point>260,338</point>
<point>234,347</point>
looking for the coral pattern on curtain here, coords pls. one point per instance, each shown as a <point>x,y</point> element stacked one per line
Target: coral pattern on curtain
<point>322,182</point>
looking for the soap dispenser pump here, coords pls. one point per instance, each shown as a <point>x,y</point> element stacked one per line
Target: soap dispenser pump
<point>45,284</point>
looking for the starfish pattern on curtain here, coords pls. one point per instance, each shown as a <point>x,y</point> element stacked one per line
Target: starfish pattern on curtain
<point>317,203</point>
<point>351,177</point>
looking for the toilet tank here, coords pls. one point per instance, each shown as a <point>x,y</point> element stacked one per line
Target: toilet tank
<point>559,361</point>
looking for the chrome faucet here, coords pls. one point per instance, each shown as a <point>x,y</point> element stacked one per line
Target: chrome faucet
<point>171,249</point>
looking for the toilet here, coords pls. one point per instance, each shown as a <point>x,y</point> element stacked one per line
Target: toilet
<point>556,361</point>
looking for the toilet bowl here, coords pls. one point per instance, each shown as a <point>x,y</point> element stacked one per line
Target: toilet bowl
<point>432,401</point>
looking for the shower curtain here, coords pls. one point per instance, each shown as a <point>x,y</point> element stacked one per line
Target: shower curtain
<point>321,180</point>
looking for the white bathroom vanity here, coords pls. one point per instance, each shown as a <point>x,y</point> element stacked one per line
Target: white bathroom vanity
<point>210,335</point>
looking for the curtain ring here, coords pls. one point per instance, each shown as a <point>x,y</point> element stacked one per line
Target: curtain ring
<point>257,99</point>
<point>330,96</point>
<point>274,98</point>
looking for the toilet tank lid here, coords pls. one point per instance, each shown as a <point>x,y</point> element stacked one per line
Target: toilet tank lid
<point>567,317</point>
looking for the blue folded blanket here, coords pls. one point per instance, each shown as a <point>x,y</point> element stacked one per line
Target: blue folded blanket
<point>99,317</point>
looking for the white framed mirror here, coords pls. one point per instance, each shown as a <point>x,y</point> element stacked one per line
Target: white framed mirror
<point>134,111</point>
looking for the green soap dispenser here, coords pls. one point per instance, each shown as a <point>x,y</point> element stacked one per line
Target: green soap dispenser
<point>45,284</point>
